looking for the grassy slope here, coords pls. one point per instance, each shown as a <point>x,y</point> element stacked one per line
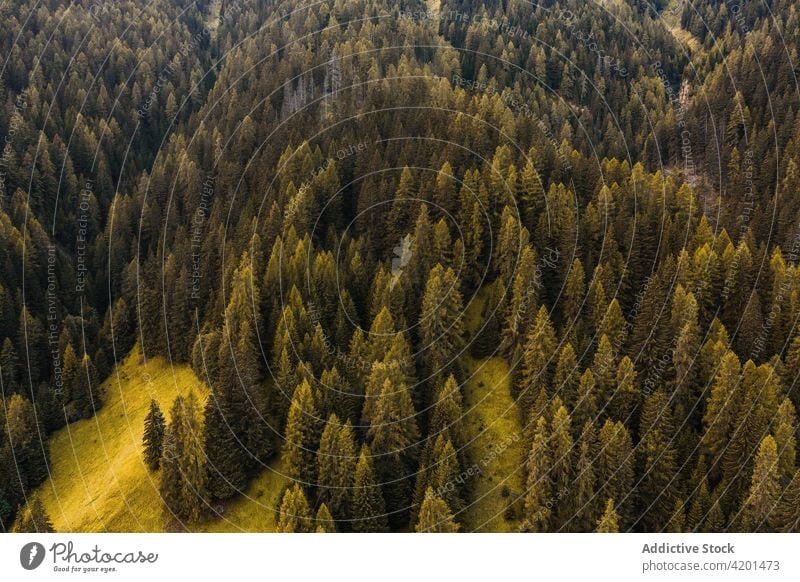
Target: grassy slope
<point>98,479</point>
<point>491,418</point>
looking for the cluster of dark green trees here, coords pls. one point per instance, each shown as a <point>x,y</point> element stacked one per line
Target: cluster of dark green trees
<point>655,362</point>
<point>74,76</point>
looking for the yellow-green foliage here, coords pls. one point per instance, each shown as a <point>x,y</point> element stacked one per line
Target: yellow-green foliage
<point>99,482</point>
<point>492,420</point>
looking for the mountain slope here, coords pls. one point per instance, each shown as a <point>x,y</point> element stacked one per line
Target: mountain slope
<point>98,480</point>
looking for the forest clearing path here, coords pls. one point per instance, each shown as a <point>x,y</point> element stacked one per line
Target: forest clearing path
<point>495,436</point>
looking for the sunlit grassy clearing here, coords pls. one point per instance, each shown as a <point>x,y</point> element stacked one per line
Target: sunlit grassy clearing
<point>492,420</point>
<point>98,479</point>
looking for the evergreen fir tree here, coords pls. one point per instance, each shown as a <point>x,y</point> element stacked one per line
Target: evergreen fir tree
<point>615,467</point>
<point>324,521</point>
<point>764,488</point>
<point>784,429</point>
<point>153,439</point>
<point>393,437</point>
<point>701,500</point>
<point>625,398</point>
<point>302,436</point>
<point>294,515</point>
<point>34,519</point>
<point>584,498</point>
<point>786,517</point>
<point>656,457</point>
<point>586,403</point>
<point>720,409</point>
<point>609,521</point>
<point>523,305</point>
<point>441,326</point>
<point>561,474</point>
<point>368,512</point>
<point>224,455</point>
<point>539,486</point>
<point>435,516</point>
<point>604,368</point>
<point>574,295</point>
<point>677,522</point>
<point>540,346</point>
<point>183,476</point>
<point>336,464</point>
<point>567,376</point>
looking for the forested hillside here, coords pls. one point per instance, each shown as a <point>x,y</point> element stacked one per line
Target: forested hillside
<point>435,266</point>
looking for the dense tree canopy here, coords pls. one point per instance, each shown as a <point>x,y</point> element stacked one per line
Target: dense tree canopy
<point>338,213</point>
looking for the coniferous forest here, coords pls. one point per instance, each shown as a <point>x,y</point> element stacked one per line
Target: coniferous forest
<point>415,266</point>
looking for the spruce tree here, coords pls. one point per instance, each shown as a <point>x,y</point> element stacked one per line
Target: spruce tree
<point>684,361</point>
<point>336,464</point>
<point>765,489</point>
<point>567,376</point>
<point>582,494</point>
<point>574,295</point>
<point>784,430</point>
<point>302,436</point>
<point>368,512</point>
<point>540,346</point>
<point>715,519</point>
<point>786,517</point>
<point>324,521</point>
<point>539,486</point>
<point>657,458</point>
<point>294,515</point>
<point>720,412</point>
<point>562,465</point>
<point>440,471</point>
<point>69,376</point>
<point>183,475</point>
<point>447,416</point>
<point>626,395</point>
<point>27,442</point>
<point>445,192</point>
<point>171,483</point>
<point>512,239</point>
<point>614,326</point>
<point>193,467</point>
<point>586,403</point>
<point>523,306</point>
<point>441,325</point>
<point>238,386</point>
<point>393,437</point>
<point>609,521</point>
<point>701,499</point>
<point>615,468</point>
<point>435,516</point>
<point>604,368</point>
<point>153,438</point>
<point>677,521</point>
<point>400,216</point>
<point>757,405</point>
<point>9,366</point>
<point>85,391</point>
<point>224,455</point>
<point>34,519</point>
